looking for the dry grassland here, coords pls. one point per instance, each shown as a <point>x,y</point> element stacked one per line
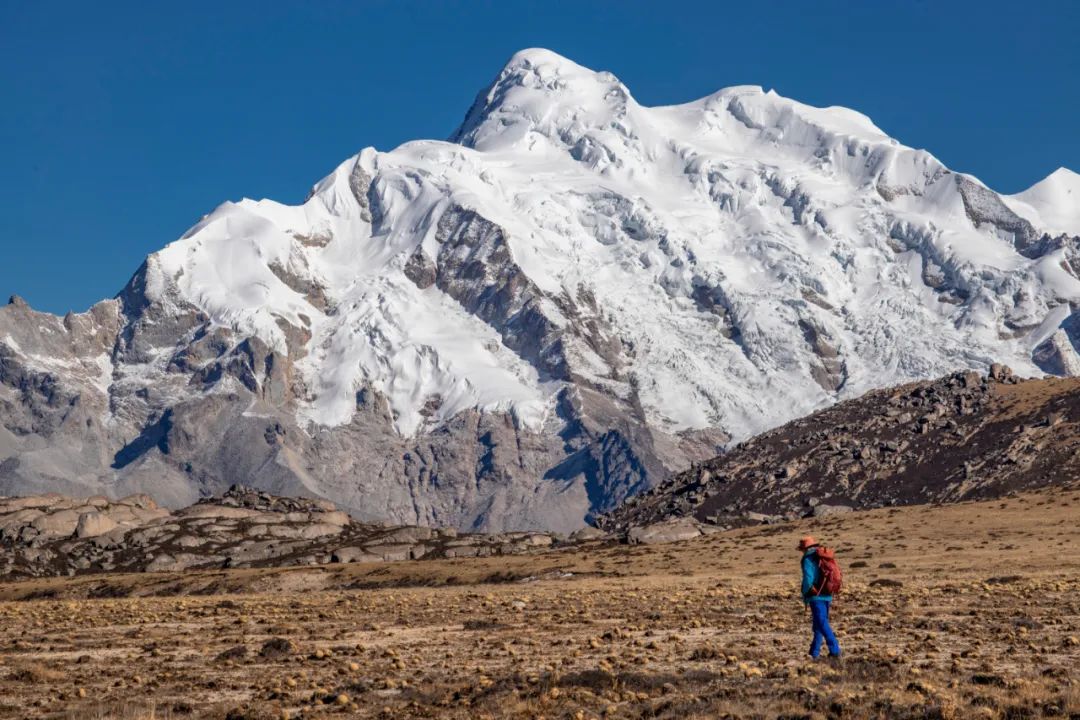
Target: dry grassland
<point>962,611</point>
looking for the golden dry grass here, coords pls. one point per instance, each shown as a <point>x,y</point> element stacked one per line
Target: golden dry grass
<point>985,624</point>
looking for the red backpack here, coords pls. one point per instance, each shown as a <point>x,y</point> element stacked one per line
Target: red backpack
<point>831,579</point>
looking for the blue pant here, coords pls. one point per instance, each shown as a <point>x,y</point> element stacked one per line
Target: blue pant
<point>819,613</point>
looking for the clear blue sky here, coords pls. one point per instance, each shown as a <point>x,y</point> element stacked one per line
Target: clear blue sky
<point>122,123</point>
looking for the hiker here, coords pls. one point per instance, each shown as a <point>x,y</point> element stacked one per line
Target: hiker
<point>817,589</point>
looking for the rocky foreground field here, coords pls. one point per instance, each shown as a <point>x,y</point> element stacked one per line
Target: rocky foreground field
<point>961,611</point>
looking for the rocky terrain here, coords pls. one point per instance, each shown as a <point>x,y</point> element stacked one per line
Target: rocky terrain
<point>518,329</point>
<point>965,611</point>
<point>961,437</point>
<point>58,535</point>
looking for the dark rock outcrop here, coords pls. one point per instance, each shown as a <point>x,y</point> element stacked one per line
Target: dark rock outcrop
<point>966,436</point>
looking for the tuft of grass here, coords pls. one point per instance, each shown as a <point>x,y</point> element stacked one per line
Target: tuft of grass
<point>120,711</point>
<point>34,673</point>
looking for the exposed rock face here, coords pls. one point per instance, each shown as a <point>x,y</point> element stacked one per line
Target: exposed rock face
<point>524,327</point>
<point>1057,354</point>
<point>75,412</point>
<point>58,535</point>
<point>966,436</point>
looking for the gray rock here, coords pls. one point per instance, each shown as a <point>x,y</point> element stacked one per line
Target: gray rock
<point>354,555</point>
<point>587,534</point>
<point>142,501</point>
<point>408,535</point>
<point>109,540</point>
<point>336,517</point>
<point>9,505</point>
<point>94,523</point>
<point>218,511</point>
<point>827,510</point>
<point>291,532</point>
<point>61,523</point>
<point>763,518</point>
<point>464,551</point>
<point>319,530</point>
<point>180,561</point>
<point>391,553</point>
<point>668,531</point>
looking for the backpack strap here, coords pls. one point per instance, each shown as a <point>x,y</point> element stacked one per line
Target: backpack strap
<point>821,554</point>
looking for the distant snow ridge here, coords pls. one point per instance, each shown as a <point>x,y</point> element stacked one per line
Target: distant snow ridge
<point>571,298</point>
<point>1053,203</point>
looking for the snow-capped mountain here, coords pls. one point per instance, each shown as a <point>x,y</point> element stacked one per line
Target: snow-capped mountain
<point>572,297</point>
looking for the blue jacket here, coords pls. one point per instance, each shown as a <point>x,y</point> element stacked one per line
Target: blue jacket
<point>811,576</point>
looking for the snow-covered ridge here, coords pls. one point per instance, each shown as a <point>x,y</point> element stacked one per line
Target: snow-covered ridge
<point>745,257</point>
<point>1053,203</point>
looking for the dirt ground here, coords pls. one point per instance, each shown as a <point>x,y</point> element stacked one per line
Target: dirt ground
<point>960,611</point>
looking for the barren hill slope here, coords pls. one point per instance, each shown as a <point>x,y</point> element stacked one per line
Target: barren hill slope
<point>961,437</point>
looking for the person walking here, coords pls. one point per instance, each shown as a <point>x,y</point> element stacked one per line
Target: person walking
<point>817,589</point>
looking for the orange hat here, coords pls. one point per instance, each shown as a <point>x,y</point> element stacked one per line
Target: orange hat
<point>806,542</point>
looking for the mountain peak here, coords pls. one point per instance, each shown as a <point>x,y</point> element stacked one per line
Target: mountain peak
<point>1054,201</point>
<point>1061,180</point>
<point>539,89</point>
<point>540,57</point>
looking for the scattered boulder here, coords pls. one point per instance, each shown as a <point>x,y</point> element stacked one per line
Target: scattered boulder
<point>392,553</point>
<point>761,518</point>
<point>57,524</point>
<point>93,524</point>
<point>318,530</point>
<point>589,533</point>
<point>335,517</point>
<point>140,500</point>
<point>354,555</point>
<point>663,532</point>
<point>180,561</point>
<point>827,510</point>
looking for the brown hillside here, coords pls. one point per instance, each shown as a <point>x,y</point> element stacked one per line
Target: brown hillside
<point>957,438</point>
